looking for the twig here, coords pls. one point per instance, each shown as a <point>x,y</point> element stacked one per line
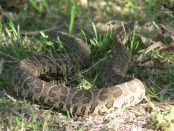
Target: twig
<point>86,70</point>
<point>9,56</point>
<point>34,33</point>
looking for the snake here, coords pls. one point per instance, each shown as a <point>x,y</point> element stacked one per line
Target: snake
<point>119,89</point>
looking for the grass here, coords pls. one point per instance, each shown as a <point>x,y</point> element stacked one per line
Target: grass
<point>23,115</point>
<point>73,14</point>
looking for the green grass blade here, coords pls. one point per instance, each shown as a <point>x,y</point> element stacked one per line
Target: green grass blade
<point>95,31</point>
<point>45,4</point>
<point>73,13</point>
<point>33,3</point>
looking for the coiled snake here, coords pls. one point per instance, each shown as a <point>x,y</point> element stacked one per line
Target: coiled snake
<point>119,90</point>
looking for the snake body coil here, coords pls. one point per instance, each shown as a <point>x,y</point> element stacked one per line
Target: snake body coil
<point>119,91</point>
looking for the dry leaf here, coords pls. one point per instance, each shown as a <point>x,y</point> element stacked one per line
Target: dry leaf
<point>149,63</point>
<point>84,3</point>
<point>168,28</point>
<point>146,41</point>
<point>145,53</point>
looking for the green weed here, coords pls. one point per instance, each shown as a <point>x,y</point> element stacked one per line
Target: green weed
<point>163,121</point>
<point>39,6</point>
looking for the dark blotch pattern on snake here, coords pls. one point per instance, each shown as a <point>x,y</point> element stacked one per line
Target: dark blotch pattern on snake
<point>118,91</point>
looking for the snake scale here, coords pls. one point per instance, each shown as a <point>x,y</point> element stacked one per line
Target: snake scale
<point>119,90</point>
